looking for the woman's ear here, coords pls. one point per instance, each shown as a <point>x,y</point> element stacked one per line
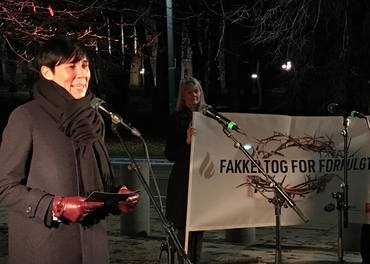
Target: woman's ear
<point>47,73</point>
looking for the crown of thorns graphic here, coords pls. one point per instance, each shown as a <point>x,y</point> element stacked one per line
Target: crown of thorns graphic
<point>323,145</point>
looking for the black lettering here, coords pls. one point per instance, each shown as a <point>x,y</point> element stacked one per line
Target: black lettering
<point>355,165</point>
<point>342,164</point>
<point>329,165</point>
<point>283,166</point>
<point>222,165</point>
<point>237,168</point>
<point>245,166</point>
<point>349,164</point>
<point>254,168</point>
<point>294,165</point>
<point>321,165</point>
<point>267,166</point>
<point>362,163</point>
<point>302,166</point>
<point>229,168</point>
<point>311,166</point>
<point>337,163</point>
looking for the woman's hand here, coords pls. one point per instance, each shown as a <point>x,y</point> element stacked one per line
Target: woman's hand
<point>190,132</point>
<point>130,203</point>
<point>73,208</point>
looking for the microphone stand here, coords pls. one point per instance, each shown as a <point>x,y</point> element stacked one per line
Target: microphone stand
<point>167,226</point>
<point>281,198</point>
<point>342,196</point>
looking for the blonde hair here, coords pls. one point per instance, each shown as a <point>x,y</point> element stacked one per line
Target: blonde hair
<point>184,84</point>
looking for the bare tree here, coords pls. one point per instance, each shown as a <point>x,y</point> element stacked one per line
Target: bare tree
<point>227,39</point>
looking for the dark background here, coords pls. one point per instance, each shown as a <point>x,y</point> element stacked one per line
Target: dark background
<point>326,41</point>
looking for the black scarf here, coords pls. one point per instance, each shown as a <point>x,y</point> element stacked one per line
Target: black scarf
<point>83,125</point>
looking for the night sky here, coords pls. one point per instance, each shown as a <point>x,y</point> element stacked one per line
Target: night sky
<point>251,56</point>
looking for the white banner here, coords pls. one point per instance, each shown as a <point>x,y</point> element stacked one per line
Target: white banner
<point>304,154</point>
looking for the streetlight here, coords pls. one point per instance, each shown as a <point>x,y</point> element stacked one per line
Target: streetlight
<point>287,66</point>
<point>254,76</point>
<point>171,59</point>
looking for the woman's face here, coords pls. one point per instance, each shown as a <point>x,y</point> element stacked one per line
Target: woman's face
<point>191,97</point>
<point>72,76</point>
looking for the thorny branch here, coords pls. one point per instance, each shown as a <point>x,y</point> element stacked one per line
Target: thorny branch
<point>310,185</point>
<point>30,21</point>
<point>291,25</point>
<point>274,145</point>
<point>279,142</point>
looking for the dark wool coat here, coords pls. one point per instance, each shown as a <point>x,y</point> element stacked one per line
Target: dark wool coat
<point>37,161</point>
<point>178,150</point>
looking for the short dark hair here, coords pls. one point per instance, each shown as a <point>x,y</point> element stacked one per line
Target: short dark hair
<point>60,50</point>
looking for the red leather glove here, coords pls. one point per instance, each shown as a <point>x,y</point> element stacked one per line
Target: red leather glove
<point>74,208</point>
<point>130,203</point>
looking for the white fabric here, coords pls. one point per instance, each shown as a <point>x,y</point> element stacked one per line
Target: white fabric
<point>303,152</point>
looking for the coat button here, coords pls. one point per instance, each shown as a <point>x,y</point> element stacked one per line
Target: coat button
<point>29,209</point>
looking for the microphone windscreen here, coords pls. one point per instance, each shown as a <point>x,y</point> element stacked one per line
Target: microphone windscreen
<point>204,108</point>
<point>96,102</point>
<point>208,110</point>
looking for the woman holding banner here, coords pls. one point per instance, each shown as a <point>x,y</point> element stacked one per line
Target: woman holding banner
<point>180,131</point>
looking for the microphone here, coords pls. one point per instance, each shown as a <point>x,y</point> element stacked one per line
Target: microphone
<point>358,114</point>
<point>335,108</point>
<point>98,103</point>
<point>208,110</point>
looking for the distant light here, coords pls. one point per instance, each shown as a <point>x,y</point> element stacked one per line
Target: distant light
<point>142,71</point>
<point>287,66</point>
<point>254,76</point>
<point>247,146</point>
